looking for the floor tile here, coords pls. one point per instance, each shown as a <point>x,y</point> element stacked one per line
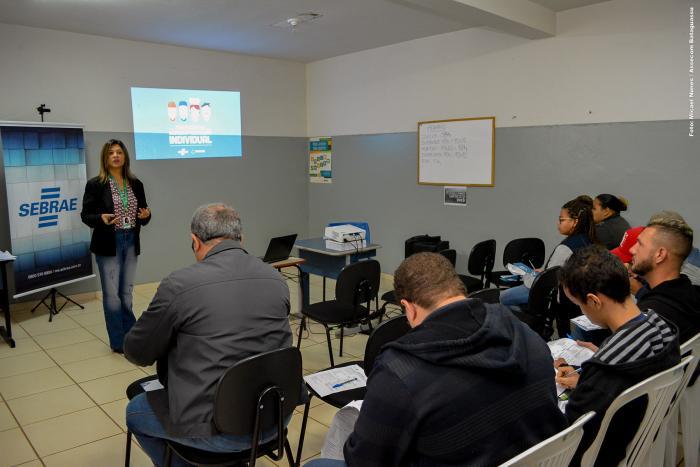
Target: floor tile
<point>313,439</point>
<point>80,351</point>
<point>7,421</point>
<point>63,338</point>
<point>89,306</point>
<point>34,463</point>
<point>117,411</point>
<point>23,346</point>
<point>15,448</point>
<point>323,413</point>
<point>69,431</point>
<point>89,318</point>
<point>18,332</point>
<point>98,367</point>
<point>33,383</point>
<point>99,331</point>
<point>110,388</point>
<point>108,452</point>
<point>39,324</point>
<point>315,357</point>
<point>11,366</point>
<point>49,404</point>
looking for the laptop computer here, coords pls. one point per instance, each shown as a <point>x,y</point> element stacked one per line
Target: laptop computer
<point>279,248</point>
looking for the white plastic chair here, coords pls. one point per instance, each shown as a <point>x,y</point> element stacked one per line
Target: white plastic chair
<point>687,413</point>
<point>660,390</point>
<point>554,451</point>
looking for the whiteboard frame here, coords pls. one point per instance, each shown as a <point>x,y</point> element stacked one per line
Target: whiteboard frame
<point>493,152</point>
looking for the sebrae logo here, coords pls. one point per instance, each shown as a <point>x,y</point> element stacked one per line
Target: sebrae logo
<point>49,207</point>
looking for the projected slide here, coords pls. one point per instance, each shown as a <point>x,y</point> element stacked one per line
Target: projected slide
<point>181,123</point>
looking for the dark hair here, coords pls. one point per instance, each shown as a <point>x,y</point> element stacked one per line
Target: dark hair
<point>584,199</point>
<point>594,270</point>
<point>104,166</point>
<point>427,278</point>
<point>612,202</point>
<point>581,210</point>
<point>677,231</point>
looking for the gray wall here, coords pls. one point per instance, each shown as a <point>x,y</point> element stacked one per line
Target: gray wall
<point>268,186</point>
<point>655,165</point>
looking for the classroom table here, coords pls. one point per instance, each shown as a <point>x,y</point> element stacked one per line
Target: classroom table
<point>326,262</point>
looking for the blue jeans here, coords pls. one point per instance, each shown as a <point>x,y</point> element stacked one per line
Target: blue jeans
<point>144,424</point>
<point>117,279</point>
<point>515,296</point>
<point>325,463</point>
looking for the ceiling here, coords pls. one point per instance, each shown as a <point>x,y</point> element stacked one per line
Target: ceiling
<point>246,26</point>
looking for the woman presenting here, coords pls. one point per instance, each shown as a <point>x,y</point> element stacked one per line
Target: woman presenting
<point>115,207</point>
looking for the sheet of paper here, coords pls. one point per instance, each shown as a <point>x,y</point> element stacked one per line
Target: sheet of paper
<point>342,425</point>
<point>570,351</point>
<point>584,323</point>
<point>152,385</point>
<point>337,380</point>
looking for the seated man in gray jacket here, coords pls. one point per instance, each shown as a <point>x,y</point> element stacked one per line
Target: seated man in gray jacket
<point>204,318</point>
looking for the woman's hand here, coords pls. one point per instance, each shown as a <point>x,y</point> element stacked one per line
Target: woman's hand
<point>559,362</point>
<point>108,219</point>
<point>144,213</point>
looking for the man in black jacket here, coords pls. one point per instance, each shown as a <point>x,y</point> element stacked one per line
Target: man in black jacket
<point>642,344</point>
<point>469,385</point>
<point>204,318</point>
<point>658,256</point>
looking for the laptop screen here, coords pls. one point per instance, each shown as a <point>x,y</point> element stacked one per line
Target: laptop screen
<point>279,248</point>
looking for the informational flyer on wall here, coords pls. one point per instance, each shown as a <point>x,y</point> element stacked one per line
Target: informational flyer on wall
<point>456,196</point>
<point>320,160</point>
<point>45,179</point>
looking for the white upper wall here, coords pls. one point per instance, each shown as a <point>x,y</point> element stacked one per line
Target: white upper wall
<point>624,60</point>
<point>86,79</point>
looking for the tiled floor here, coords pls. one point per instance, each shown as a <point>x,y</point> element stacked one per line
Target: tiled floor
<point>62,395</point>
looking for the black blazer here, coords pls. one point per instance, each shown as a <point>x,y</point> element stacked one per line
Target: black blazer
<point>97,200</point>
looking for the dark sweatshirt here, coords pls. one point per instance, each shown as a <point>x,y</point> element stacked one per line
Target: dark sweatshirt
<point>678,301</point>
<point>471,385</point>
<point>609,232</point>
<point>600,383</point>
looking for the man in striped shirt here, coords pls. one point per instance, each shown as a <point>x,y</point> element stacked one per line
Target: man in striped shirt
<point>641,345</point>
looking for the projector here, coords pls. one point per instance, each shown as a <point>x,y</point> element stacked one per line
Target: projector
<point>344,233</point>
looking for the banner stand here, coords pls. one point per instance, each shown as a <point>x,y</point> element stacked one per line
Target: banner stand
<point>53,310</point>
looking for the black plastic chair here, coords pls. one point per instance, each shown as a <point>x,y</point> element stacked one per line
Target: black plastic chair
<point>357,283</point>
<point>529,251</point>
<point>389,298</point>
<point>255,395</point>
<point>479,265</point>
<point>390,330</point>
<point>487,295</point>
<point>540,311</point>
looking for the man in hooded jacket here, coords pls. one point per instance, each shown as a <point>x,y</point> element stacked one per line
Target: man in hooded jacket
<point>469,385</point>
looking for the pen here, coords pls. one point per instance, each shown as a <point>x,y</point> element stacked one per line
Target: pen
<point>343,383</point>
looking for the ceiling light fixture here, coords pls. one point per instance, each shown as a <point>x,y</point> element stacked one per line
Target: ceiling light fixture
<point>293,22</point>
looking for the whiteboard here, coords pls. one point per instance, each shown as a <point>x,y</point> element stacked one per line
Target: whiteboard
<point>459,152</point>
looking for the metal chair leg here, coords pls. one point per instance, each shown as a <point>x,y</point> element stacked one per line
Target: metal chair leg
<point>303,430</point>
<point>330,349</point>
<point>301,330</point>
<point>342,329</point>
<point>127,455</point>
<point>288,451</point>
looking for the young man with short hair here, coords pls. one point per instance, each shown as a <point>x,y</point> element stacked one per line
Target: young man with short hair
<point>469,385</point>
<point>658,256</point>
<point>641,345</point>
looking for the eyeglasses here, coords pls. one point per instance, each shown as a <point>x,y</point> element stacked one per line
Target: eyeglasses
<point>562,219</point>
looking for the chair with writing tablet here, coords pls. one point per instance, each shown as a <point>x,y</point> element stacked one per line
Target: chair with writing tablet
<point>479,265</point>
<point>539,313</point>
<point>554,451</point>
<point>529,251</point>
<point>388,331</point>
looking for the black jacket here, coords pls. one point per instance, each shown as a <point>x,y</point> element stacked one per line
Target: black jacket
<point>203,319</point>
<point>471,385</point>
<point>609,232</point>
<point>97,200</point>
<point>600,383</point>
<point>678,301</point>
